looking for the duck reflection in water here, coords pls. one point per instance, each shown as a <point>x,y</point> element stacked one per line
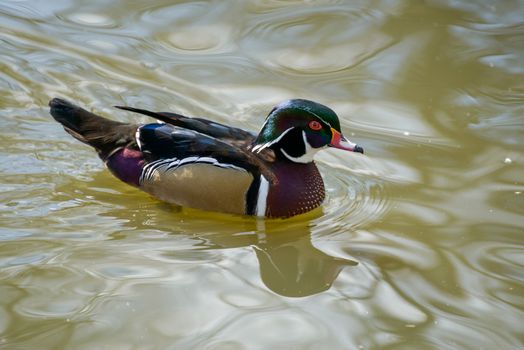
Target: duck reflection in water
<point>289,264</point>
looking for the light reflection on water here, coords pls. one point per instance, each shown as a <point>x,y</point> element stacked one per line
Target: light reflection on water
<point>418,244</point>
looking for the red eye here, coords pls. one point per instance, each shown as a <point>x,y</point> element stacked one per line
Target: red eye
<point>314,125</point>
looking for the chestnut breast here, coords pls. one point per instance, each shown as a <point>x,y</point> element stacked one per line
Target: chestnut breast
<point>299,189</point>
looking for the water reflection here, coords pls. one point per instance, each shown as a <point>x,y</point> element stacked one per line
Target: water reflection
<point>297,268</point>
<point>289,263</point>
<point>433,214</point>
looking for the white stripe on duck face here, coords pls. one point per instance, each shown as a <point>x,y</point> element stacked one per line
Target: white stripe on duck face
<point>171,164</point>
<point>259,148</point>
<point>316,115</point>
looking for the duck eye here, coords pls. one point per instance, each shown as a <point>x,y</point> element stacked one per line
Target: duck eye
<point>314,125</point>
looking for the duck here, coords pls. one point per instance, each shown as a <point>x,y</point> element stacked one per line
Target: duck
<point>203,164</point>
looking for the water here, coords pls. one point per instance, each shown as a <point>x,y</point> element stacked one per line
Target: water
<point>418,245</point>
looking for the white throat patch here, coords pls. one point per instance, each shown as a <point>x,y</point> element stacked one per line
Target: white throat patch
<point>306,157</point>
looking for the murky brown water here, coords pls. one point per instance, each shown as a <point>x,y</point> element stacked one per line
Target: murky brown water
<point>418,246</point>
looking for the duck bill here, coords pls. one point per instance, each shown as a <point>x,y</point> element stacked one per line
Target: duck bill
<point>339,141</point>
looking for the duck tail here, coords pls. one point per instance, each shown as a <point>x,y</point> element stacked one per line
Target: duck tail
<point>105,135</point>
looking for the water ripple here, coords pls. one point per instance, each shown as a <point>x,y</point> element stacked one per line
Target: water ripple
<point>418,244</point>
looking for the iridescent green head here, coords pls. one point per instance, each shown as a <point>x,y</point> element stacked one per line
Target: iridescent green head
<point>296,129</point>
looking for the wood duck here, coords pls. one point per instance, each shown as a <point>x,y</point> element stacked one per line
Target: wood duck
<point>202,164</point>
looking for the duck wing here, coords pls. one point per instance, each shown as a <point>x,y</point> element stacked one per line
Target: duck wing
<point>203,126</point>
<point>192,169</point>
<point>174,143</point>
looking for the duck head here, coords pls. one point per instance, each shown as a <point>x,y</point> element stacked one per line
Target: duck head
<point>297,129</point>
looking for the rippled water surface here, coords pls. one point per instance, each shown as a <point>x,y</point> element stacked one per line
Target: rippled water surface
<point>419,244</point>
